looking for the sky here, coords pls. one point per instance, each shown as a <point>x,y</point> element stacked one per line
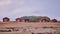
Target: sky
<point>18,8</point>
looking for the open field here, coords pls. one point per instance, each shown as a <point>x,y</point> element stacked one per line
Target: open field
<point>29,28</point>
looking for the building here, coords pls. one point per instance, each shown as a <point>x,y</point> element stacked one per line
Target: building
<point>44,19</point>
<point>36,18</point>
<point>18,19</point>
<point>6,19</point>
<point>38,25</point>
<point>54,20</point>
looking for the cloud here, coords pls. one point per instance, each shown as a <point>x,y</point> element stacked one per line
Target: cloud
<point>4,2</point>
<point>17,8</point>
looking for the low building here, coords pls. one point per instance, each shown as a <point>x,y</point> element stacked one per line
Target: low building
<point>44,19</point>
<point>6,19</point>
<point>18,19</point>
<point>53,20</point>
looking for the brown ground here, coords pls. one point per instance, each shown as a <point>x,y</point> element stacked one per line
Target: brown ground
<point>23,24</point>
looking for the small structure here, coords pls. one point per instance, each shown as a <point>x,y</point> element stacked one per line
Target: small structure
<point>18,19</point>
<point>26,20</point>
<point>44,19</point>
<point>6,19</point>
<point>53,20</point>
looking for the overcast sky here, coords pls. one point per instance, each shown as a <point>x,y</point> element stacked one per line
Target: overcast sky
<point>18,8</point>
